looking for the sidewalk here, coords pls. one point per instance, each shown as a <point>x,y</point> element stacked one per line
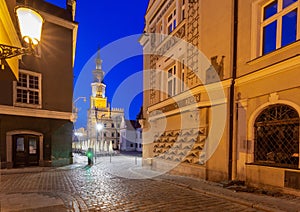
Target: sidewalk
<point>255,198</point>
<point>280,202</point>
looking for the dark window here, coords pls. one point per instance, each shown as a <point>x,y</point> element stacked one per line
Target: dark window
<point>28,89</point>
<point>287,3</point>
<point>270,9</point>
<point>279,25</point>
<point>289,28</point>
<point>269,38</point>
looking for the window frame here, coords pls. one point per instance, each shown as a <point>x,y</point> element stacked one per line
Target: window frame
<point>173,79</point>
<point>267,119</point>
<point>276,17</point>
<point>183,75</point>
<point>173,22</point>
<point>39,90</point>
<point>183,16</point>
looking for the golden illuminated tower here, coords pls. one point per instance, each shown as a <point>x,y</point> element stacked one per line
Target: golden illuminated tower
<point>105,138</point>
<point>98,98</point>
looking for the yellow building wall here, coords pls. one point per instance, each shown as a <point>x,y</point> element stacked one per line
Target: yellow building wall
<point>216,27</point>
<point>214,38</point>
<point>8,36</point>
<point>262,80</point>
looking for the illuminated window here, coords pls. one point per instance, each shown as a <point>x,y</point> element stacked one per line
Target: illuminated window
<point>171,21</point>
<point>172,81</point>
<point>27,91</point>
<point>279,24</point>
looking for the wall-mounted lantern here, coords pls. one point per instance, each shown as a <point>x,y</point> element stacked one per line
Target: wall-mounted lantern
<point>30,25</point>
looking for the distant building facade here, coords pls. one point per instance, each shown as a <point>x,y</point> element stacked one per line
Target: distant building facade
<point>36,93</point>
<point>80,144</point>
<point>103,127</point>
<point>253,48</point>
<point>131,136</point>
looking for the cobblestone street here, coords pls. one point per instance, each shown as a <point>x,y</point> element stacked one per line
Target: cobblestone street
<point>119,183</point>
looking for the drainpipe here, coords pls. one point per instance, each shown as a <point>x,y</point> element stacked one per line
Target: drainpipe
<point>232,87</point>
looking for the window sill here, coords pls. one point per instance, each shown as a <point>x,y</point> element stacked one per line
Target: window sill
<point>279,166</point>
<point>27,105</point>
<point>269,55</point>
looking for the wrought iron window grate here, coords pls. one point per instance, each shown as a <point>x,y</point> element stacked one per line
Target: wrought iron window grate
<point>277,137</point>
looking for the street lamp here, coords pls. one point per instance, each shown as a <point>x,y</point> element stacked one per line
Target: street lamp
<point>30,24</point>
<point>75,109</point>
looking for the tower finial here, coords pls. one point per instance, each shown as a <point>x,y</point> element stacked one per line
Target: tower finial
<point>98,60</point>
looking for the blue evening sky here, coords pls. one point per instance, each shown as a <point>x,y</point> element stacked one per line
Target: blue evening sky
<point>108,24</point>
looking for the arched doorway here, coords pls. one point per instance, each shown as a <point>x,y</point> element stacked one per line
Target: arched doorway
<point>277,136</point>
<point>32,143</point>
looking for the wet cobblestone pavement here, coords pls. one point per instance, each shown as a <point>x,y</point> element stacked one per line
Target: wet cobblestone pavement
<point>108,186</point>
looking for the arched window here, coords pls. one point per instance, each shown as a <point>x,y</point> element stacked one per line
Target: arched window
<point>277,137</point>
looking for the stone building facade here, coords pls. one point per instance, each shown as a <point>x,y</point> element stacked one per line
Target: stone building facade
<point>184,92</point>
<point>267,94</point>
<point>249,131</point>
<point>36,102</point>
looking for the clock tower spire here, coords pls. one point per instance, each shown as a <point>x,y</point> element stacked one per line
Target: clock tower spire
<point>98,98</point>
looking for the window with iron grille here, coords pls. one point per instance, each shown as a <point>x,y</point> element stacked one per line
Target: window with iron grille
<point>27,91</point>
<point>277,137</point>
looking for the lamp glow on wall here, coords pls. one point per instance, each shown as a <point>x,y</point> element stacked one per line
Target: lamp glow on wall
<point>30,24</point>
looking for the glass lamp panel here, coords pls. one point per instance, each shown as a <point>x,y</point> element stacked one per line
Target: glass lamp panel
<point>30,23</point>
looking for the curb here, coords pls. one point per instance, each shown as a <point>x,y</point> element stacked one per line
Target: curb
<point>258,206</point>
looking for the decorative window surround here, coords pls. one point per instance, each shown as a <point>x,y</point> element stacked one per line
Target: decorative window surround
<point>269,14</point>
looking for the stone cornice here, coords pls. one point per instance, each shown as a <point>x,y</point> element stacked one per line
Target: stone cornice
<point>194,92</point>
<point>31,112</point>
<point>268,71</point>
